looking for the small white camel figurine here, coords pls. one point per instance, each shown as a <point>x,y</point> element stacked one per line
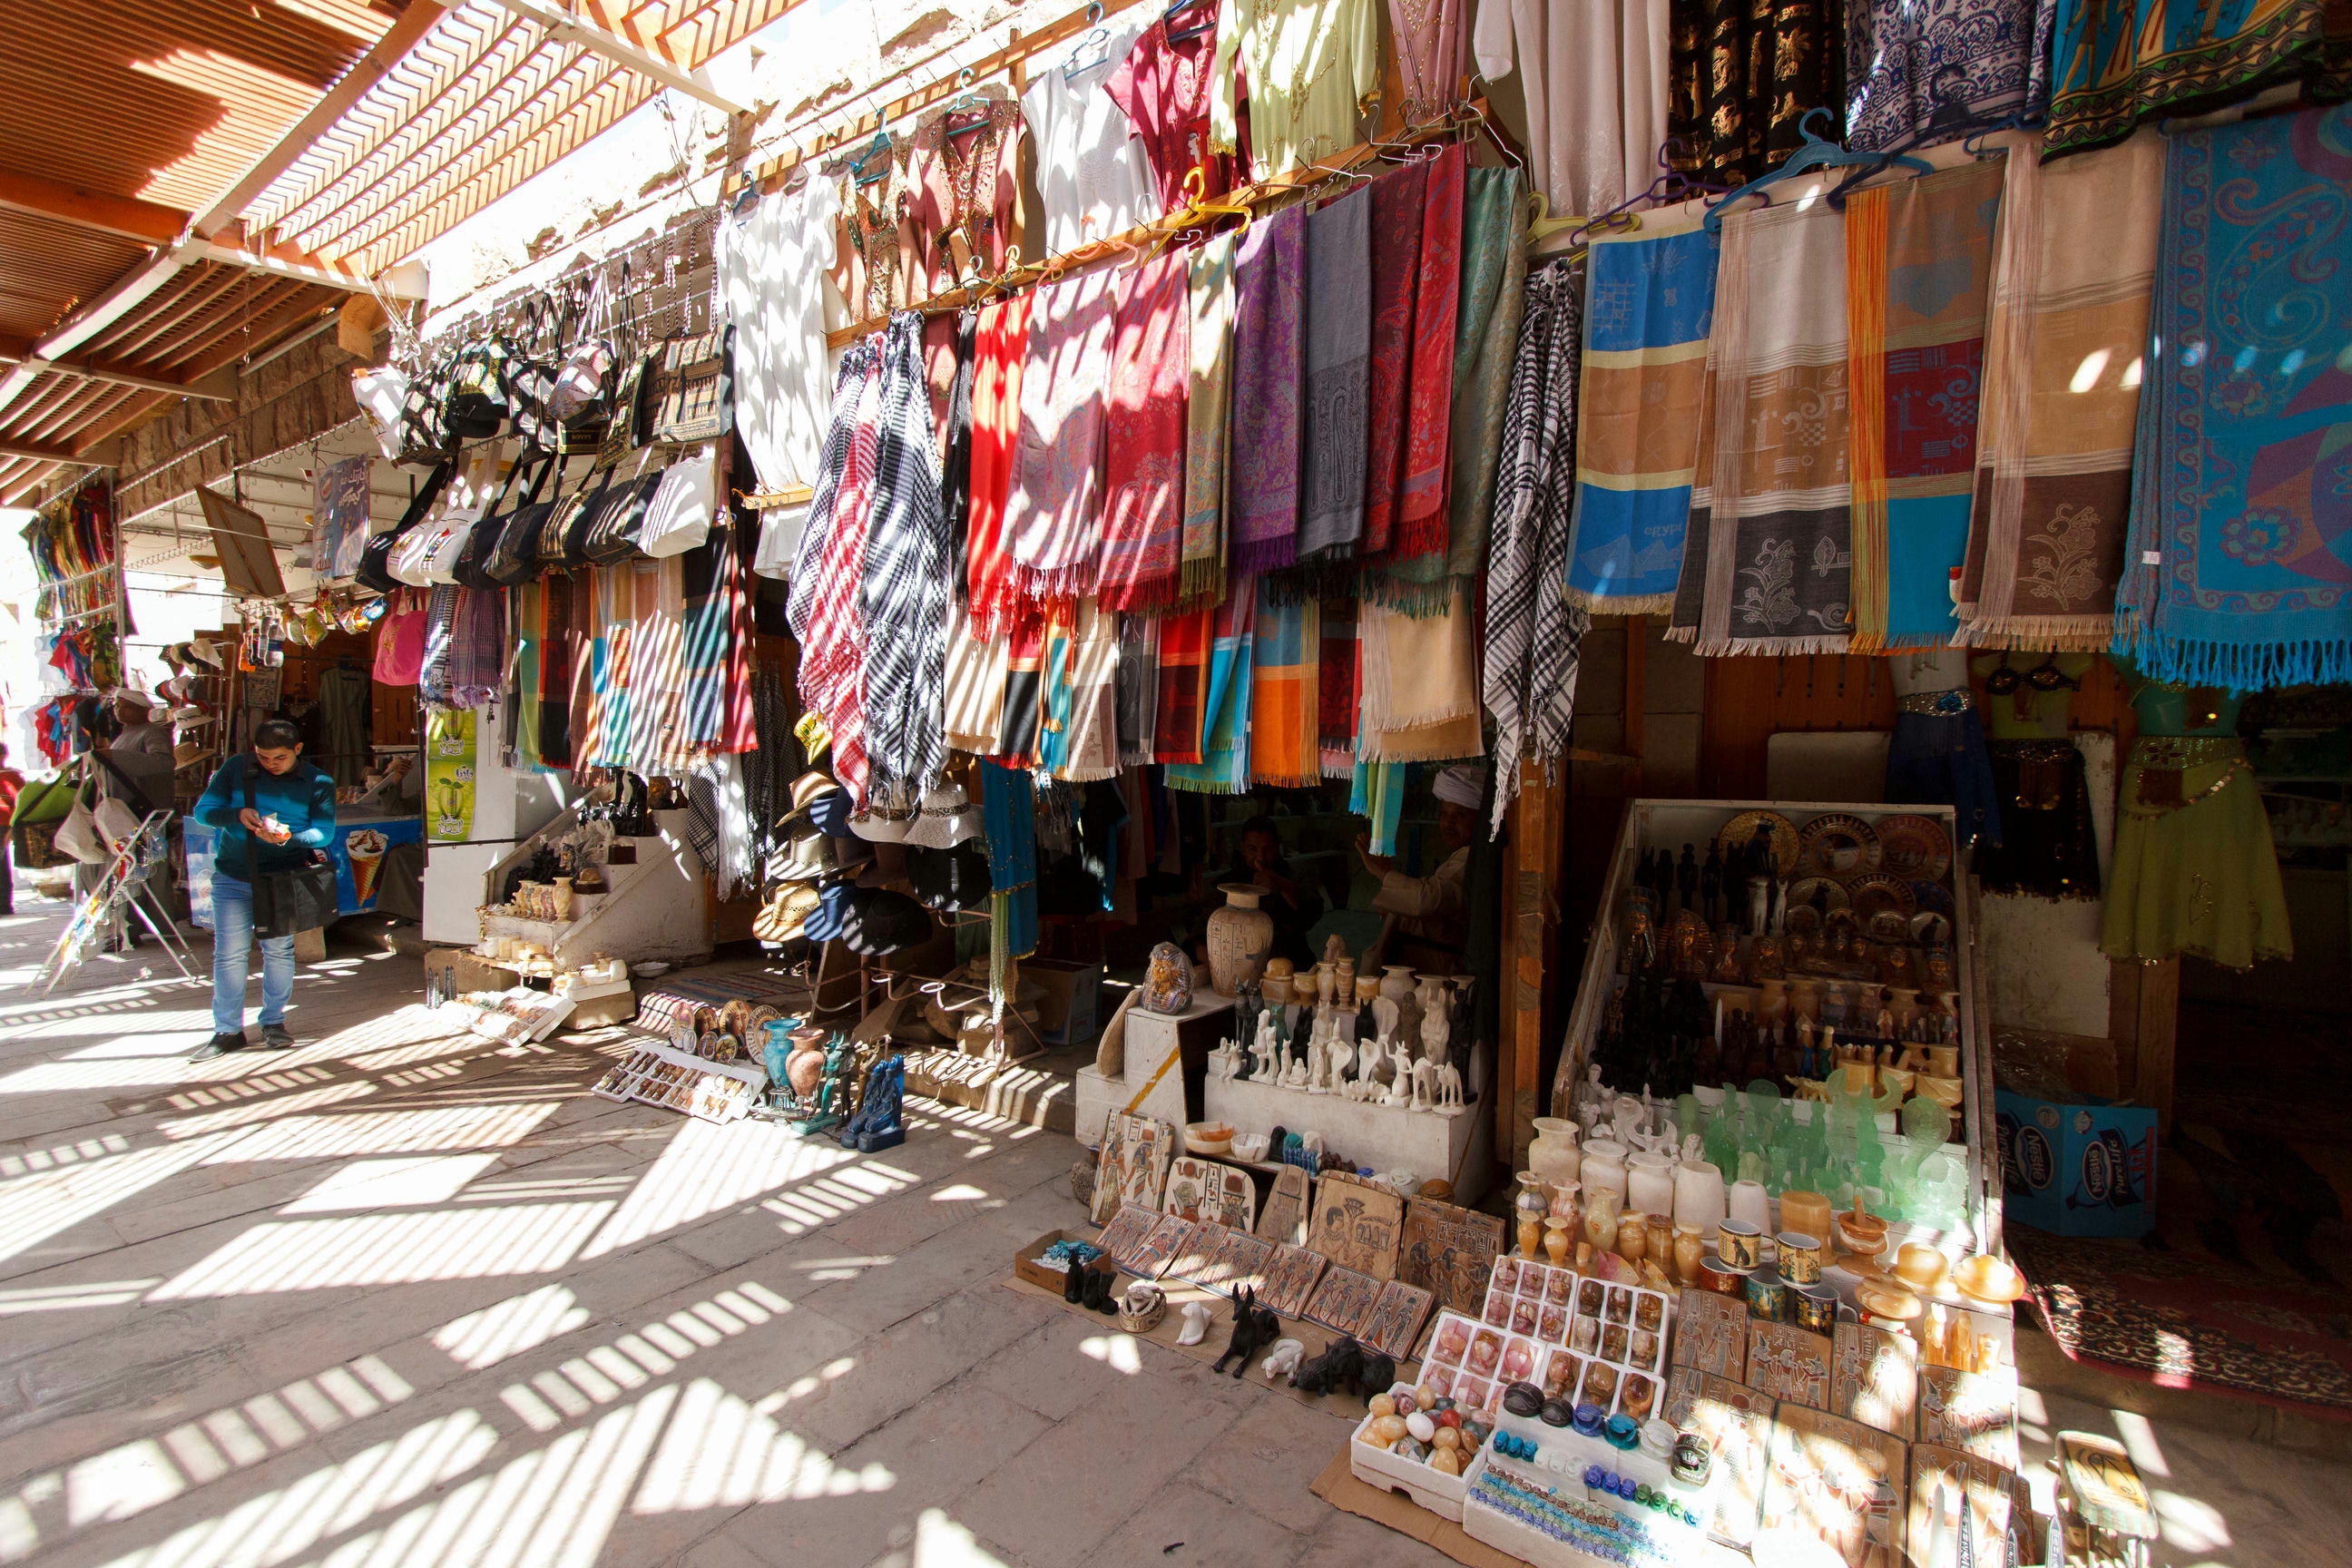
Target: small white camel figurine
<point>1449,1089</point>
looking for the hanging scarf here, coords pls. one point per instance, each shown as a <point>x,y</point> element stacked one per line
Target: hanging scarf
<point>1487,329</point>
<point>1779,554</point>
<point>1398,200</point>
<point>768,771</point>
<point>433,685</point>
<point>1183,695</point>
<point>1143,458</point>
<point>2242,492</point>
<point>1338,696</point>
<point>955,445</point>
<point>1378,796</point>
<point>1080,742</point>
<point>522,707</point>
<point>1008,814</point>
<point>1139,688</point>
<point>719,825</point>
<point>710,637</point>
<point>1209,281</point>
<point>592,628</point>
<point>2114,67</point>
<point>975,686</point>
<point>1054,516</point>
<point>1532,632</point>
<point>1001,344</point>
<point>1223,768</point>
<point>478,652</point>
<point>2068,325</point>
<point>656,730</point>
<point>1262,489</point>
<point>825,611</point>
<point>1421,521</point>
<point>1918,261</point>
<point>1924,72</point>
<point>904,582</point>
<point>1024,673</point>
<point>1286,693</point>
<point>559,655</point>
<point>1638,418</point>
<point>1420,683</point>
<point>1337,334</point>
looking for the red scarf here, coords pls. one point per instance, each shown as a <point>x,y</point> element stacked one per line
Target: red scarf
<point>1397,201</point>
<point>999,345</point>
<point>1144,463</point>
<point>1421,526</point>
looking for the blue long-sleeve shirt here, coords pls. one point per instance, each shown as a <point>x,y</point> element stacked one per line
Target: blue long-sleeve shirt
<point>303,798</point>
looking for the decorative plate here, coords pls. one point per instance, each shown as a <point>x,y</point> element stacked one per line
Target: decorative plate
<point>1733,839</point>
<point>1917,848</point>
<point>1875,892</point>
<point>1837,845</point>
<point>1822,896</point>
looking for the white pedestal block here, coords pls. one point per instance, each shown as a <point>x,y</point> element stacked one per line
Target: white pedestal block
<point>1096,1096</point>
<point>1384,1137</point>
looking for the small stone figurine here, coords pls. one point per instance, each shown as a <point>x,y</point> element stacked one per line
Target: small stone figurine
<point>1262,1048</point>
<point>1449,1089</point>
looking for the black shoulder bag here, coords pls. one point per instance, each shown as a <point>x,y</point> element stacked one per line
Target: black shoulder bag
<point>285,902</point>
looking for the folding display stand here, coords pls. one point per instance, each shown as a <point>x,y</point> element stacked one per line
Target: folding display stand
<point>118,892</point>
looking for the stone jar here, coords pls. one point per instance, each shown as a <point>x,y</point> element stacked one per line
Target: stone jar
<point>1240,936</point>
<point>1603,1169</point>
<point>1553,1156</point>
<point>1650,1182</point>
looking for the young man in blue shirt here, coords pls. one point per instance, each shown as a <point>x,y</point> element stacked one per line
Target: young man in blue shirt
<point>291,819</point>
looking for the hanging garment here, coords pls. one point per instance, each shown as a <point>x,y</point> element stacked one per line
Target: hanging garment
<point>1428,37</point>
<point>975,686</point>
<point>1742,75</point>
<point>707,634</point>
<point>1223,768</point>
<point>1082,684</point>
<point>1378,796</point>
<point>2196,870</point>
<point>2064,345</point>
<point>529,666</point>
<point>433,681</point>
<point>1421,513</point>
<point>999,346</point>
<point>1184,686</point>
<point>344,500</point>
<point>1594,75</point>
<point>1008,809</point>
<point>769,262</point>
<point>879,264</point>
<point>955,454</point>
<point>1143,440</point>
<point>1310,63</point>
<point>904,583</point>
<point>1162,88</point>
<point>1138,690</point>
<point>2114,67</point>
<point>2236,570</point>
<point>967,165</point>
<point>1919,257</point>
<point>1209,281</point>
<point>343,706</point>
<point>560,654</point>
<point>1492,294</point>
<point>1054,516</point>
<point>1420,683</point>
<point>1919,72</point>
<point>656,677</point>
<point>1262,486</point>
<point>1340,698</point>
<point>1779,560</point>
<point>1286,693</point>
<point>477,654</point>
<point>1091,170</point>
<point>827,612</point>
<point>1397,203</point>
<point>1532,632</point>
<point>1337,341</point>
<point>2048,847</point>
<point>1638,418</point>
<point>1936,757</point>
<point>593,616</point>
<point>1024,673</point>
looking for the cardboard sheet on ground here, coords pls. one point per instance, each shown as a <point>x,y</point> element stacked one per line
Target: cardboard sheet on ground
<point>1339,1487</point>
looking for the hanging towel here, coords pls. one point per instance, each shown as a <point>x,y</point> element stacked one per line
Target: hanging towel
<point>1338,336</point>
<point>1419,528</point>
<point>1397,203</point>
<point>1919,257</point>
<point>2064,346</point>
<point>1779,554</point>
<point>1183,687</point>
<point>1209,282</point>
<point>999,346</point>
<point>2241,489</point>
<point>1286,696</point>
<point>1262,487</point>
<point>1638,418</point>
<point>1225,734</point>
<point>1144,463</point>
<point>1054,516</point>
<point>904,582</point>
<point>1533,633</point>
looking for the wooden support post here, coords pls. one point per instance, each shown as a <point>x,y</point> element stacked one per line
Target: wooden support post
<point>2144,1021</point>
<point>1637,693</point>
<point>1538,822</point>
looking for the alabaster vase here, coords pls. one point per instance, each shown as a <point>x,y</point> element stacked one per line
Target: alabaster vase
<point>1240,935</point>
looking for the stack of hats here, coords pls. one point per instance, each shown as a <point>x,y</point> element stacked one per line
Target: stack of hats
<point>817,883</point>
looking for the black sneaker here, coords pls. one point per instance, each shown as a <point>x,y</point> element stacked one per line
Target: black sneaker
<point>219,1046</point>
<point>277,1037</point>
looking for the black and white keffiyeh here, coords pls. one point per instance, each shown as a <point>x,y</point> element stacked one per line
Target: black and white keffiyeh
<point>840,427</point>
<point>904,584</point>
<point>1532,631</point>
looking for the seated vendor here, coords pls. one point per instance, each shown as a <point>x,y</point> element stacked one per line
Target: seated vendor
<point>1293,902</point>
<point>1428,917</point>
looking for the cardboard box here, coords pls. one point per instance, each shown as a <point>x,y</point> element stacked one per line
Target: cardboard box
<point>2086,1167</point>
<point>1026,1267</point>
<point>1068,1010</point>
<point>474,972</point>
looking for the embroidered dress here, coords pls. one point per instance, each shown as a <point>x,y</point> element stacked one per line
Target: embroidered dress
<point>1918,263</point>
<point>2237,569</point>
<point>1162,88</point>
<point>1919,72</point>
<point>1262,487</point>
<point>967,173</point>
<point>879,259</point>
<point>1428,37</point>
<point>1310,63</point>
<point>1639,413</point>
<point>2066,344</point>
<point>2115,66</point>
<point>1091,170</point>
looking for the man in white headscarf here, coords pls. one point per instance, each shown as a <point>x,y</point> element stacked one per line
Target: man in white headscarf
<point>1428,917</point>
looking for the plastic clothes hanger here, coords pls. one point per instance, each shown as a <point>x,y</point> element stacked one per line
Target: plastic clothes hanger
<point>1816,153</point>
<point>1100,38</point>
<point>1168,19</point>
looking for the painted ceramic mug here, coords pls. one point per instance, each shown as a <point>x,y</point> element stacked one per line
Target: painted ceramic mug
<point>1768,1297</point>
<point>1816,1309</point>
<point>1801,1257</point>
<point>1739,1244</point>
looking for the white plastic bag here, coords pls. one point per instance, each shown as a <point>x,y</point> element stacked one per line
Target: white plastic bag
<point>679,517</point>
<point>78,837</point>
<point>382,393</point>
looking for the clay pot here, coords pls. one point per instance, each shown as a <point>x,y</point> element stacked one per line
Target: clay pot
<point>1240,935</point>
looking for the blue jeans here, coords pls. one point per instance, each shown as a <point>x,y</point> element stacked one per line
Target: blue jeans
<point>232,954</point>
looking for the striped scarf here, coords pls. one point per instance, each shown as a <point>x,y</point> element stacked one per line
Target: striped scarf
<point>905,580</point>
<point>1225,737</point>
<point>1183,684</point>
<point>1396,201</point>
<point>1210,281</point>
<point>1532,632</point>
<point>1286,696</point>
<point>832,677</point>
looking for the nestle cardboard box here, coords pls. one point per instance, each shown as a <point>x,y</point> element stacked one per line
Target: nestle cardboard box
<point>2086,1167</point>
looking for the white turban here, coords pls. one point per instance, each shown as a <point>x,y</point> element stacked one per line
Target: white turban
<point>1462,785</point>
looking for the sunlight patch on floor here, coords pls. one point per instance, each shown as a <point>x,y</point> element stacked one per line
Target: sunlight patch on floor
<point>33,1160</point>
<point>510,1327</point>
<point>35,1208</point>
<point>706,1168</point>
<point>253,1111</point>
<point>391,1250</point>
<point>394,1131</point>
<point>606,1372</point>
<point>719,1452</point>
<point>401,1181</point>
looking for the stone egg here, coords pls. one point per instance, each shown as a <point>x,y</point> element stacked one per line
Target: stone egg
<point>1421,1427</point>
<point>1388,1428</point>
<point>1412,1449</point>
<point>1381,1405</point>
<point>1425,1397</point>
<point>1445,1461</point>
<point>1447,1437</point>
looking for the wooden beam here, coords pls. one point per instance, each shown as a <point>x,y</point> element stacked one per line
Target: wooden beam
<point>125,217</point>
<point>658,69</point>
<point>1536,825</point>
<point>36,452</point>
<point>19,351</point>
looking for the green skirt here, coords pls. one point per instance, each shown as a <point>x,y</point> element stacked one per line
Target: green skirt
<point>2195,870</point>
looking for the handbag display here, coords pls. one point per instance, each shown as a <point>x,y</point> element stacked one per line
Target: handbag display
<point>78,835</point>
<point>678,519</point>
<point>375,571</point>
<point>381,395</point>
<point>424,419</point>
<point>400,646</point>
<point>530,375</point>
<point>624,408</point>
<point>479,400</point>
<point>42,807</point>
<point>515,557</point>
<point>610,535</point>
<point>693,393</point>
<point>287,902</point>
<point>473,568</point>
<point>579,401</point>
<point>556,547</point>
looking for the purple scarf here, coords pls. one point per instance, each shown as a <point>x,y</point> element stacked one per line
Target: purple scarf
<point>1263,475</point>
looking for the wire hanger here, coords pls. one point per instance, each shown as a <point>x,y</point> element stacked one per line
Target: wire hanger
<point>1816,153</point>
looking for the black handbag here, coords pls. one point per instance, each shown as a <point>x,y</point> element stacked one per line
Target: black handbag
<point>481,385</point>
<point>610,536</point>
<point>557,547</point>
<point>693,395</point>
<point>424,431</point>
<point>624,426</point>
<point>472,569</point>
<point>513,557</point>
<point>287,902</point>
<point>375,571</point>
<point>530,375</point>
